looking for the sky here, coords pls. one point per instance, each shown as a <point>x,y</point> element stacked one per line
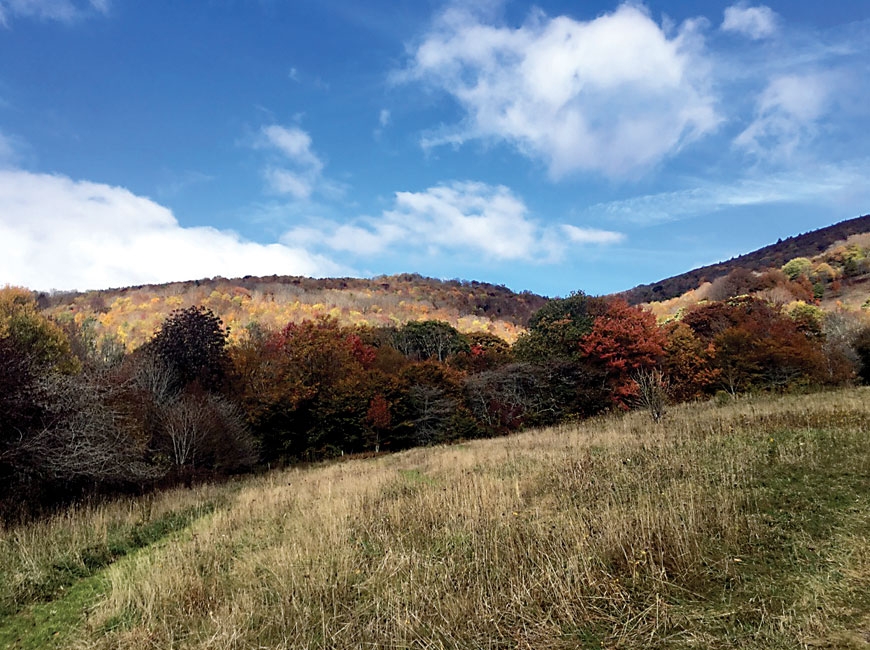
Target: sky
<point>549,147</point>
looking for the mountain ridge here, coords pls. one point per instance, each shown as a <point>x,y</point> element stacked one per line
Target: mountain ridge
<point>774,255</point>
<point>133,314</point>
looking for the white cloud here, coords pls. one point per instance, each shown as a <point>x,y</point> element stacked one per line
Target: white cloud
<point>786,114</point>
<point>753,22</point>
<point>294,143</point>
<point>8,153</point>
<point>592,235</point>
<point>294,146</point>
<point>66,11</point>
<point>283,181</point>
<point>64,234</point>
<point>488,222</point>
<point>614,95</point>
<point>384,117</point>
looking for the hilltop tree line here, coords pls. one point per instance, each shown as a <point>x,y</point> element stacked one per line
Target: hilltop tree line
<point>775,256</point>
<point>133,313</point>
<point>81,415</point>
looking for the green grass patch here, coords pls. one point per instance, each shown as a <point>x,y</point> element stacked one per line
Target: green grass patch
<point>797,581</point>
<point>48,582</point>
<point>50,624</point>
<point>415,476</point>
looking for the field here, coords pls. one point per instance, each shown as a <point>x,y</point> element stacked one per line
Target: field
<point>733,524</point>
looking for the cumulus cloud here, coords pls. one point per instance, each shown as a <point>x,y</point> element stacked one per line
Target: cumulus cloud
<point>489,222</point>
<point>754,22</point>
<point>66,11</point>
<point>614,95</point>
<point>786,114</point>
<point>57,233</point>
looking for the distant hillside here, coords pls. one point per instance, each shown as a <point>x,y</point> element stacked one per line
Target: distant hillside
<point>132,314</point>
<point>774,256</point>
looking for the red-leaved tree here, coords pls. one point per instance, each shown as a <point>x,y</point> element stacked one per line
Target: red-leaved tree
<point>623,341</point>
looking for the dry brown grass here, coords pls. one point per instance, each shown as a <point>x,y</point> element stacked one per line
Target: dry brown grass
<point>38,560</point>
<point>610,533</point>
<point>737,525</point>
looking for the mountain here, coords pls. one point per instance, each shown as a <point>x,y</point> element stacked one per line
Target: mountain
<point>837,260</point>
<point>133,314</point>
<point>774,256</point>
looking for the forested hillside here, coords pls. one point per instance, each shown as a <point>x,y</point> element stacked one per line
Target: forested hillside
<point>82,414</point>
<point>770,257</point>
<point>835,281</point>
<point>131,315</point>
<point>130,389</point>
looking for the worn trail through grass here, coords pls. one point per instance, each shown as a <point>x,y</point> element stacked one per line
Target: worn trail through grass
<point>55,571</point>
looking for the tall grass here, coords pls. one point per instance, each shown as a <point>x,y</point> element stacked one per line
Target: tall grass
<point>38,560</point>
<point>743,525</point>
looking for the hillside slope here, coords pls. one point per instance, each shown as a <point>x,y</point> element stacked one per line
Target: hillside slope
<point>774,256</point>
<point>133,314</point>
<point>738,525</point>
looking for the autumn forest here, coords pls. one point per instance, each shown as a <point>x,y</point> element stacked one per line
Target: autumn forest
<point>129,390</point>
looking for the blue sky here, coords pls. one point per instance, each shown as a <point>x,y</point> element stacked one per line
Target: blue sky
<point>549,147</point>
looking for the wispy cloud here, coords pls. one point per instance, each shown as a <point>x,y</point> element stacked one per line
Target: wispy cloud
<point>294,143</point>
<point>485,221</point>
<point>8,153</point>
<point>66,11</point>
<point>592,235</point>
<point>786,114</point>
<point>305,170</point>
<point>177,183</point>
<point>612,95</point>
<point>754,22</point>
<point>822,185</point>
<point>797,99</point>
<point>58,233</point>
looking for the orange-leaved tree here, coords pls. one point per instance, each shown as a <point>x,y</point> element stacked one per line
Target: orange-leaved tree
<point>756,345</point>
<point>688,363</point>
<point>623,341</point>
<point>307,388</point>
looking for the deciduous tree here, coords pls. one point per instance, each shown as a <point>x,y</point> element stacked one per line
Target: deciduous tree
<point>623,341</point>
<point>192,342</point>
<point>429,339</point>
<point>688,363</point>
<point>556,329</point>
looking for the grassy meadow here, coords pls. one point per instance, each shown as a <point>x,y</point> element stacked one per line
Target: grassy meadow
<point>737,524</point>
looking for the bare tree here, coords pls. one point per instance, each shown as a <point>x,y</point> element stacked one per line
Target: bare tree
<point>185,422</point>
<point>206,431</point>
<point>652,392</point>
<point>841,330</point>
<point>433,410</point>
<point>155,379</point>
<point>80,435</point>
